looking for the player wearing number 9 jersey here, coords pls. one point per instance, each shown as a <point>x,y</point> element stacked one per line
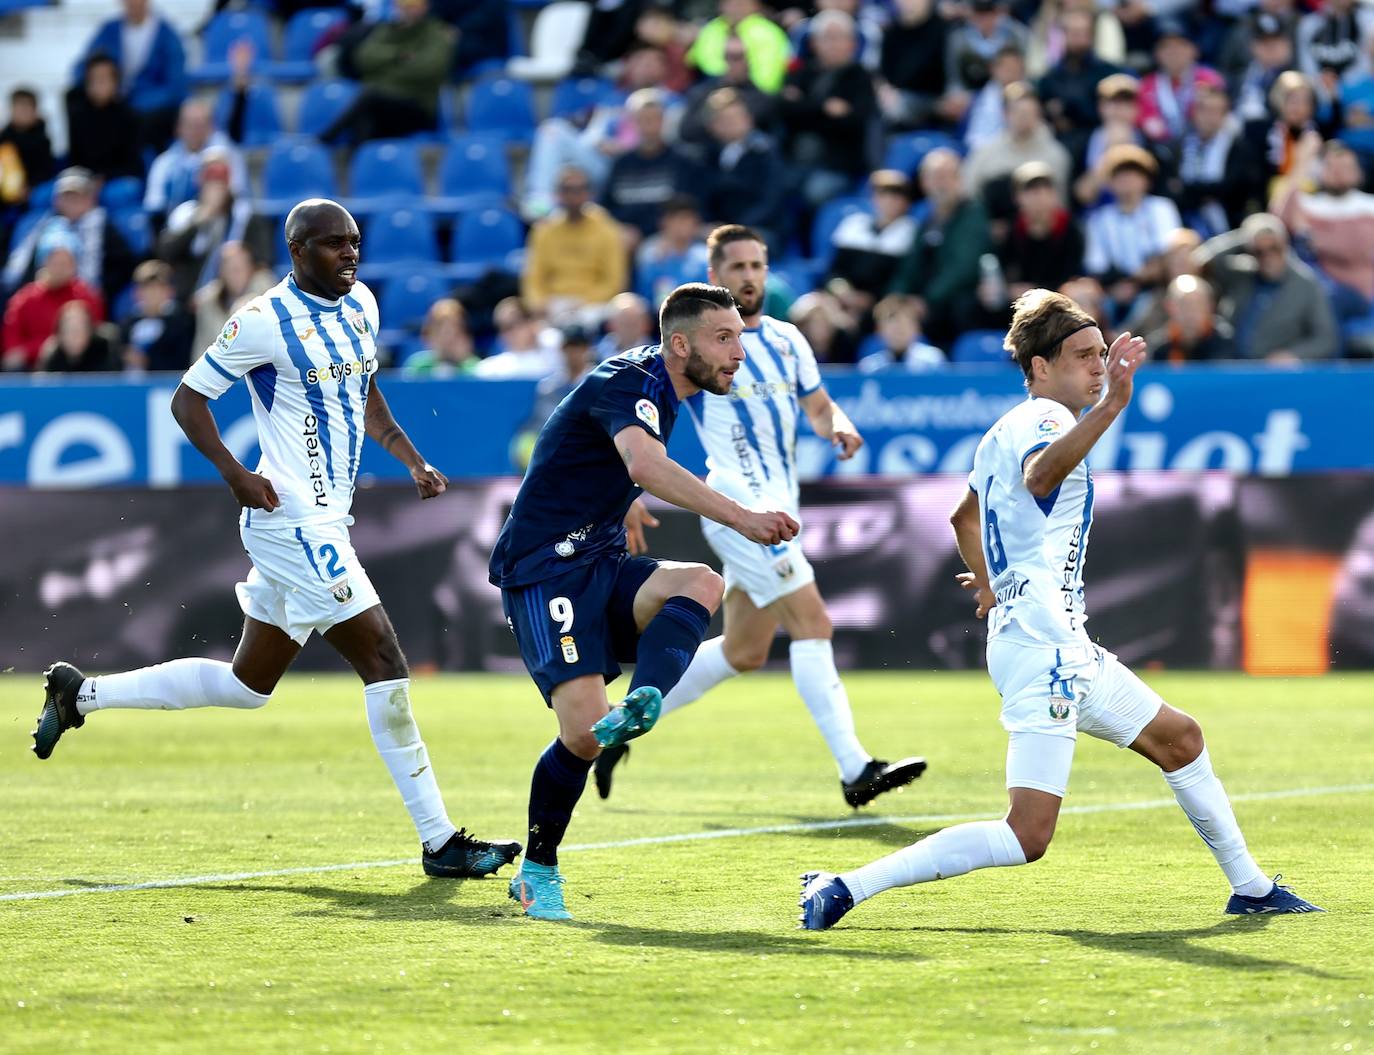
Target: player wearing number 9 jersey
<point>307,351</point>
<point>1022,529</point>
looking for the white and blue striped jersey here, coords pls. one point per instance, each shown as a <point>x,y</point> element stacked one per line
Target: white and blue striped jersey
<point>750,435</point>
<point>309,363</point>
<point>1034,547</point>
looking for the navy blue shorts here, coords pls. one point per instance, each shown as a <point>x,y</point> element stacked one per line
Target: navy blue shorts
<point>580,622</point>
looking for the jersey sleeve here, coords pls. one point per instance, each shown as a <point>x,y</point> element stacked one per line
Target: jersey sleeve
<point>246,341</point>
<point>1036,430</point>
<point>624,401</point>
<point>808,373</point>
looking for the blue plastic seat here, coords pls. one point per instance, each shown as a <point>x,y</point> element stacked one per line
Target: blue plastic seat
<point>224,31</point>
<point>122,192</point>
<point>473,174</point>
<point>385,173</point>
<point>303,32</point>
<point>828,217</point>
<point>408,298</point>
<point>132,225</point>
<point>483,240</point>
<point>906,151</point>
<point>297,168</point>
<point>573,94</point>
<point>400,236</point>
<point>503,107</point>
<point>980,346</point>
<point>322,103</point>
<point>261,122</point>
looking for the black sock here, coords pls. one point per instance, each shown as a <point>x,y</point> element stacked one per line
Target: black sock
<point>559,778</point>
<point>668,644</point>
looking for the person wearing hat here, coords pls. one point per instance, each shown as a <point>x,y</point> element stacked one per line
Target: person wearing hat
<point>1166,96</point>
<point>869,246</point>
<point>31,315</point>
<point>1044,247</point>
<point>1118,111</point>
<point>1236,53</point>
<point>1271,52</point>
<point>1125,236</point>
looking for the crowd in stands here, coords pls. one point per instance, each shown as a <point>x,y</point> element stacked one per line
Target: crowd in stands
<point>1195,173</point>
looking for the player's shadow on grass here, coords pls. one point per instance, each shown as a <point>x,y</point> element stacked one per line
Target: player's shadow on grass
<point>428,900</point>
<point>1175,945</point>
<point>871,830</point>
<point>743,941</point>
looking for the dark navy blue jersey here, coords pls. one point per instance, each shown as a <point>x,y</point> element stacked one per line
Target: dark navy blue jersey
<point>571,506</point>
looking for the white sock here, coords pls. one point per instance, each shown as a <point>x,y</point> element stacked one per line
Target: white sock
<point>174,686</point>
<point>708,668</point>
<point>813,671</point>
<point>948,853</point>
<point>398,742</point>
<point>1204,800</point>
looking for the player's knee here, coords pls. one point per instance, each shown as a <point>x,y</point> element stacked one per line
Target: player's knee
<point>384,662</point>
<point>1186,743</point>
<point>582,743</point>
<point>1033,836</point>
<point>706,587</point>
<point>747,656</point>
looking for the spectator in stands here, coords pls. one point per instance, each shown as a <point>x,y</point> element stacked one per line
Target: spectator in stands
<point>695,125</point>
<point>403,64</point>
<point>629,324</point>
<point>238,280</point>
<point>103,259</point>
<point>480,30</point>
<point>765,43</point>
<point>174,174</point>
<point>1294,101</point>
<point>1166,96</point>
<point>676,254</point>
<point>1332,42</point>
<point>987,114</point>
<point>1089,295</point>
<point>899,344</point>
<point>1026,138</point>
<point>26,135</point>
<point>152,68</point>
<point>1044,247</point>
<point>1051,29</point>
<point>1335,223</point>
<point>1274,302</point>
<point>1179,258</point>
<point>1236,53</point>
<point>912,65</point>
<point>827,327</point>
<point>159,335</point>
<point>642,180</point>
<point>31,315</point>
<point>574,256</point>
<point>1216,178</point>
<point>102,127</point>
<point>1125,236</point>
<point>1069,88</point>
<point>870,245</point>
<point>869,19</point>
<point>942,267</point>
<point>611,29</point>
<point>197,229</point>
<point>448,349</point>
<point>744,176</point>
<point>1118,106</point>
<point>1194,332</point>
<point>575,361</point>
<point>1271,53</point>
<point>971,46</point>
<point>1357,110</point>
<point>829,108</point>
<point>528,348</point>
<point>77,346</point>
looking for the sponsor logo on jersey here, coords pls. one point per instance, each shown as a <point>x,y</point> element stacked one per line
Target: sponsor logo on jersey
<point>647,412</point>
<point>569,647</point>
<point>310,433</point>
<point>307,333</point>
<point>343,593</point>
<point>1049,426</point>
<point>227,335</point>
<point>340,372</point>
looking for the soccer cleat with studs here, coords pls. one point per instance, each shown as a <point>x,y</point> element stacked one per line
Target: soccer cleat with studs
<point>467,857</point>
<point>637,714</point>
<point>61,684</point>
<point>539,889</point>
<point>878,777</point>
<point>824,900</point>
<point>1280,900</point>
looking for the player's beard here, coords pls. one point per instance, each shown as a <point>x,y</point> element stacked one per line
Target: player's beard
<point>705,376</point>
<point>753,304</point>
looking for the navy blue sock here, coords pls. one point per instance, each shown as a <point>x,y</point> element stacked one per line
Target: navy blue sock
<point>668,643</point>
<point>559,777</point>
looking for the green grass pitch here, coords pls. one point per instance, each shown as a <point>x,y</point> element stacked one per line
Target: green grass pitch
<point>1115,942</point>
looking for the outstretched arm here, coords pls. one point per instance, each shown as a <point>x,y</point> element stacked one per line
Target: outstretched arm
<point>382,427</point>
<point>647,462</point>
<point>831,423</point>
<point>968,536</point>
<point>191,409</point>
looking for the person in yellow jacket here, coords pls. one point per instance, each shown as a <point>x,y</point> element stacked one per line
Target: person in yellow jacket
<point>575,255</point>
<point>765,43</point>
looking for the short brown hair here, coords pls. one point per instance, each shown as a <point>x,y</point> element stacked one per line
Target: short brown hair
<point>153,271</point>
<point>685,305</point>
<point>722,236</point>
<point>897,304</point>
<point>446,309</point>
<point>1040,321</point>
<point>1129,156</point>
<point>1118,86</point>
<point>1018,90</point>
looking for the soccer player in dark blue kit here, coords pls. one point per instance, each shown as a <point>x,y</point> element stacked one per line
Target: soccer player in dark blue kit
<point>578,603</point>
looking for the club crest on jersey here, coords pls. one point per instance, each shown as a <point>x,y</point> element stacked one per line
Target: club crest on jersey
<point>359,322</point>
<point>569,647</point>
<point>647,412</point>
<point>1049,427</point>
<point>227,335</point>
<point>1059,710</point>
<point>565,548</point>
<point>343,593</point>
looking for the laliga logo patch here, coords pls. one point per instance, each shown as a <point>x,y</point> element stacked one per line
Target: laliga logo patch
<point>1049,427</point>
<point>569,647</point>
<point>343,593</point>
<point>647,412</point>
<point>227,335</point>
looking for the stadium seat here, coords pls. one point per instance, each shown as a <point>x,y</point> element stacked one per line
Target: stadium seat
<point>483,240</point>
<point>473,174</point>
<point>296,168</point>
<point>122,192</point>
<point>385,173</point>
<point>322,103</point>
<point>398,239</point>
<point>574,94</point>
<point>299,40</point>
<point>132,225</point>
<point>225,30</point>
<point>261,122</point>
<point>554,40</point>
<point>26,223</point>
<point>502,107</point>
<point>829,217</point>
<point>407,299</point>
<point>40,197</point>
<point>980,346</point>
<point>906,151</point>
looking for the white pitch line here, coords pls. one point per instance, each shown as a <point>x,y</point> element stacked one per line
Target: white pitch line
<point>683,837</point>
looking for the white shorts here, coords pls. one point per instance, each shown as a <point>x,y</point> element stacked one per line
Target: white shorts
<point>765,573</point>
<point>1050,695</point>
<point>303,580</point>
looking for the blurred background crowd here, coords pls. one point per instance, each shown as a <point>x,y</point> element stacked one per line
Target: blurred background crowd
<point>532,178</point>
